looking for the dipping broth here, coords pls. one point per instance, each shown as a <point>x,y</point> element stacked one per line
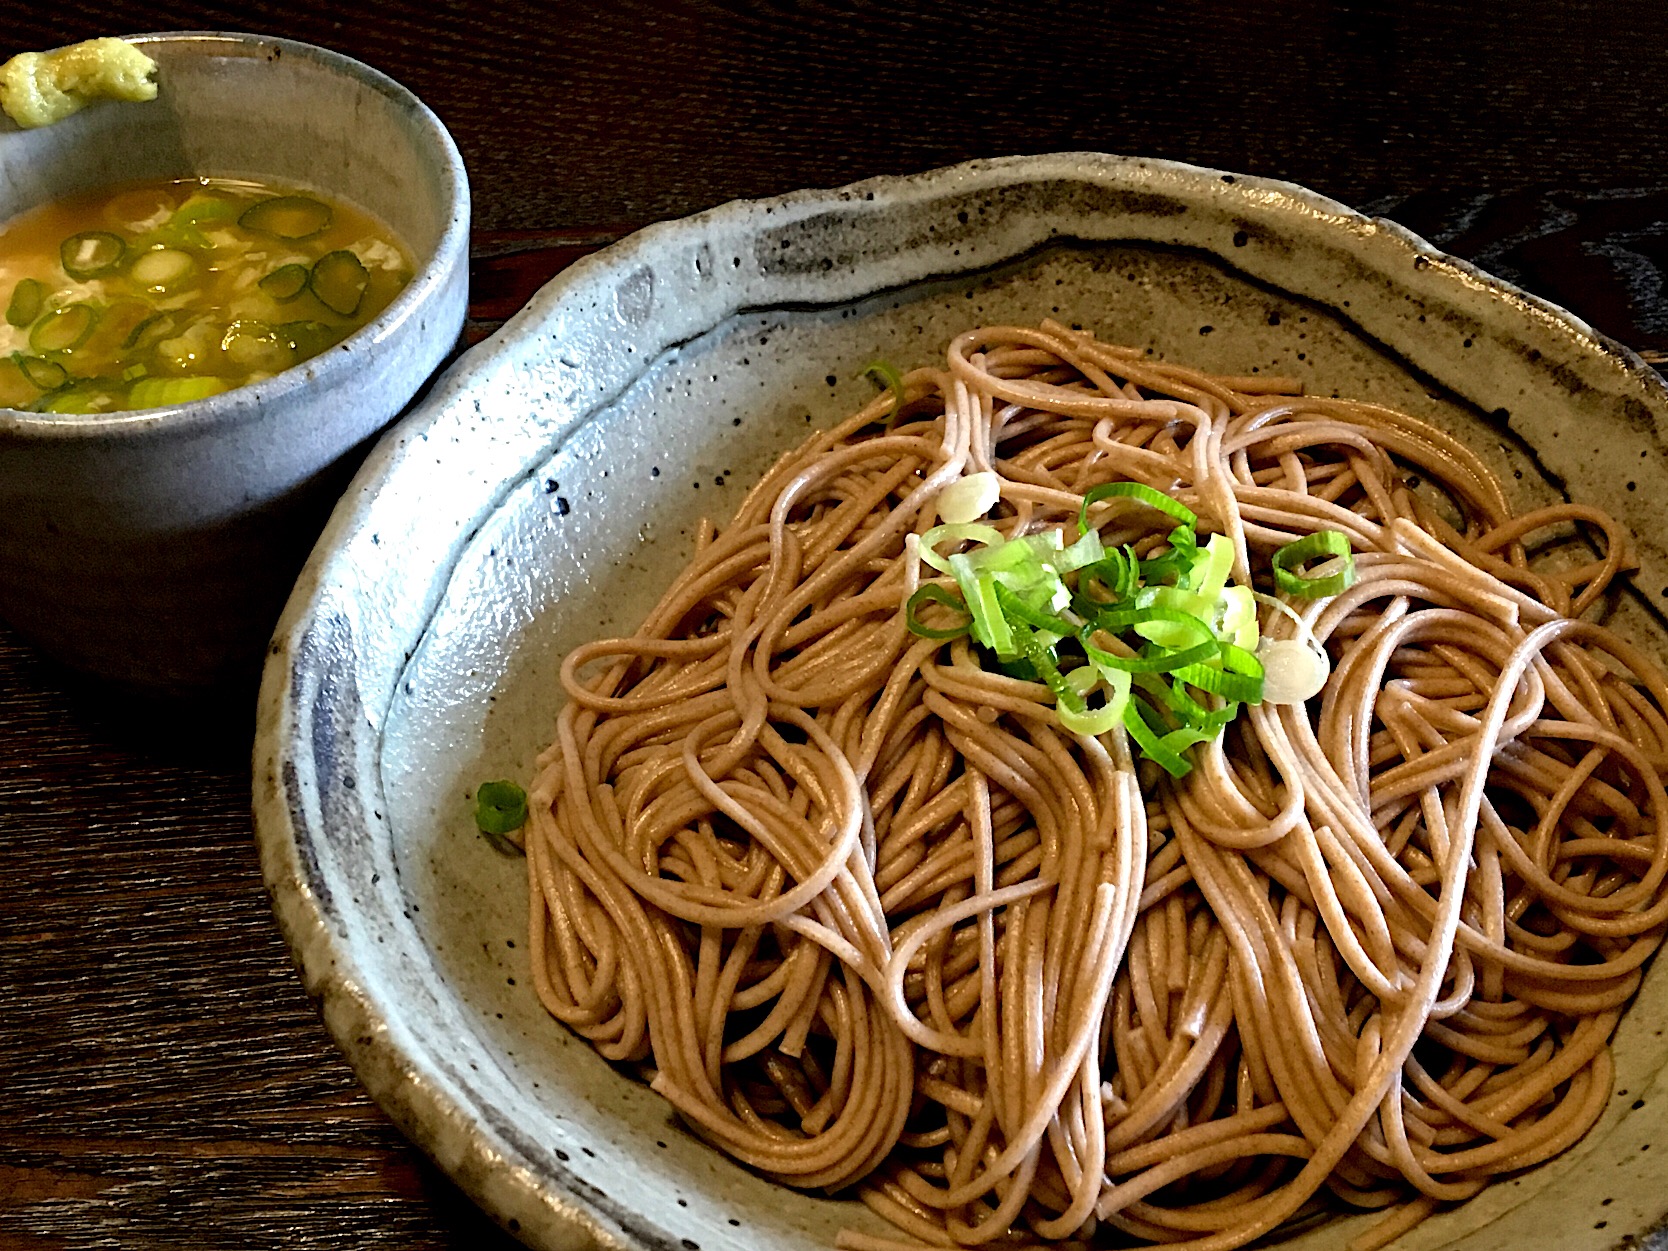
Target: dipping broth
<point>162,292</point>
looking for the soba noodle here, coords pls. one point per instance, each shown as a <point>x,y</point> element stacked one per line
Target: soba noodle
<point>861,908</point>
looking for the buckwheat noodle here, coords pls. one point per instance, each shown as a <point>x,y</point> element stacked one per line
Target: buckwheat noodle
<point>865,913</point>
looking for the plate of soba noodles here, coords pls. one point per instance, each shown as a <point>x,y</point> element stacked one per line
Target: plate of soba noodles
<point>1062,701</point>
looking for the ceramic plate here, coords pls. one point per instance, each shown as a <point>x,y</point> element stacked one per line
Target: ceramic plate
<point>546,491</point>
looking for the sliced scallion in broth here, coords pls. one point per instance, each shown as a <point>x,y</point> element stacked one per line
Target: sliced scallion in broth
<point>91,253</point>
<point>160,293</point>
<point>28,298</point>
<point>288,217</point>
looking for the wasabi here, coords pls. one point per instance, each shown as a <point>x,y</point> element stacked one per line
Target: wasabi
<point>39,88</point>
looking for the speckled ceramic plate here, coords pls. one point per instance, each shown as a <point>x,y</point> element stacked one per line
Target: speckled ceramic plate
<point>546,490</point>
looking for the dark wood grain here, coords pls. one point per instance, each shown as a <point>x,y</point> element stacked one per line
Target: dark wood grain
<point>164,1082</point>
<point>586,115</point>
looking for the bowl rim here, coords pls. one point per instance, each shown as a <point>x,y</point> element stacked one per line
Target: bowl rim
<point>308,666</point>
<point>253,401</point>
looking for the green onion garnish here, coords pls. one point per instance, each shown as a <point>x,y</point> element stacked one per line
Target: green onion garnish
<point>937,595</point>
<point>1066,697</point>
<point>91,254</point>
<point>339,279</point>
<point>1095,721</point>
<point>1154,746</point>
<point>1291,558</point>
<point>1017,611</point>
<point>1175,565</point>
<point>1156,660</point>
<point>28,298</point>
<point>973,531</point>
<point>990,627</point>
<point>165,392</point>
<point>42,373</point>
<point>1184,661</point>
<point>886,374</point>
<point>1240,679</point>
<point>1137,491</point>
<point>500,808</point>
<point>287,216</point>
<point>286,282</point>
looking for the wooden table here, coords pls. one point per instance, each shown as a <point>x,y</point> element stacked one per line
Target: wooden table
<point>164,1082</point>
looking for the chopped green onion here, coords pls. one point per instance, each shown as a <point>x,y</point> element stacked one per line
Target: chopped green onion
<point>1065,695</point>
<point>1180,740</point>
<point>1093,721</point>
<point>181,228</point>
<point>1212,568</point>
<point>937,595</point>
<point>160,323</point>
<point>1196,635</point>
<point>255,346</point>
<point>1171,693</point>
<point>340,280</point>
<point>1239,617</point>
<point>1140,492</point>
<point>969,531</point>
<point>205,208</point>
<point>1145,608</point>
<point>1153,746</point>
<point>500,807</point>
<point>63,328</point>
<point>287,216</point>
<point>286,282</point>
<point>91,254</point>
<point>1177,564</point>
<point>78,400</point>
<point>1087,551</point>
<point>886,374</point>
<point>1017,610</point>
<point>307,338</point>
<point>1163,660</point>
<point>163,269</point>
<point>28,298</point>
<point>1038,587</point>
<point>1168,629</point>
<point>166,392</point>
<point>1290,559</point>
<point>1023,555</point>
<point>45,374</point>
<point>1237,659</point>
<point>990,627</point>
<point>1119,572</point>
<point>1242,688</point>
<point>1096,721</point>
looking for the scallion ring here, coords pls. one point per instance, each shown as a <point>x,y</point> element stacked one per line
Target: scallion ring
<point>1017,610</point>
<point>937,595</point>
<point>1162,660</point>
<point>1290,558</point>
<point>1140,492</point>
<point>500,808</point>
<point>886,374</point>
<point>1153,746</point>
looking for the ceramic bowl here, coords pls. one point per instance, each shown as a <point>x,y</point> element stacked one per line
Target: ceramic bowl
<point>546,491</point>
<point>153,550</point>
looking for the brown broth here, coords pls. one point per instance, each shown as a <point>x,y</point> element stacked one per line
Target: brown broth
<point>161,292</point>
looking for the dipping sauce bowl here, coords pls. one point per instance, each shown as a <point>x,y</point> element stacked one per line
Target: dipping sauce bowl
<point>153,550</point>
